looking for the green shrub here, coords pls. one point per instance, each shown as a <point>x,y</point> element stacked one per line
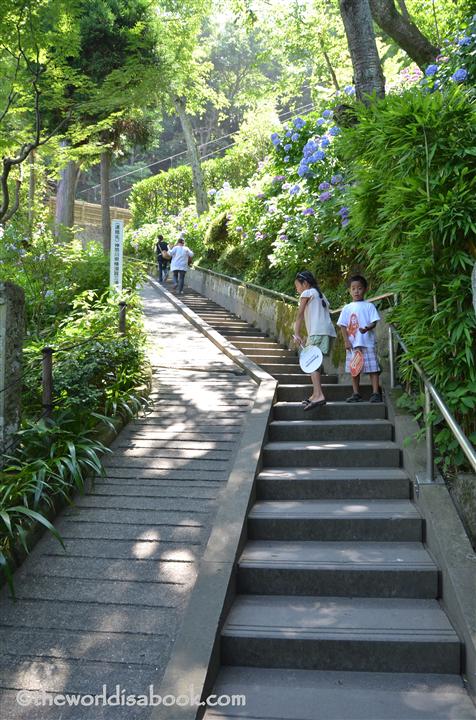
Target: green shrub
<point>412,160</point>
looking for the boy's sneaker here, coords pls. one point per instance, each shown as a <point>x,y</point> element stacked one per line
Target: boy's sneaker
<point>355,397</point>
<point>376,398</point>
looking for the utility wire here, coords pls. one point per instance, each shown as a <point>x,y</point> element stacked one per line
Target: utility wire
<point>184,152</point>
<point>304,110</point>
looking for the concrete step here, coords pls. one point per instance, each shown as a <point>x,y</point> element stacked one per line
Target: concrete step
<point>299,390</point>
<point>269,353</point>
<point>251,336</point>
<point>261,346</point>
<point>332,482</point>
<point>357,569</point>
<point>335,520</point>
<point>281,694</point>
<point>335,633</point>
<point>333,410</point>
<point>330,430</point>
<point>278,368</point>
<point>338,453</point>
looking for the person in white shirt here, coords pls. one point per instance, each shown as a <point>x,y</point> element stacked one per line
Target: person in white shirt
<point>181,256</point>
<point>314,310</point>
<point>357,322</point>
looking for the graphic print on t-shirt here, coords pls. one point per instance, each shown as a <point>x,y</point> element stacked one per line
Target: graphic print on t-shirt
<point>353,325</point>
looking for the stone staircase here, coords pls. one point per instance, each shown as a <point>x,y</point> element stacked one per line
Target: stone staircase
<point>337,613</point>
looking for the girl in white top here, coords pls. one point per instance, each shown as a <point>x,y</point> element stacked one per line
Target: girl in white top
<point>314,310</point>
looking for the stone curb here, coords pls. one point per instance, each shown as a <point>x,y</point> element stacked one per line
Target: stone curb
<point>195,658</point>
<point>446,539</point>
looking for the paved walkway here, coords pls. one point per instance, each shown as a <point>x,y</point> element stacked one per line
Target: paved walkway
<point>107,611</point>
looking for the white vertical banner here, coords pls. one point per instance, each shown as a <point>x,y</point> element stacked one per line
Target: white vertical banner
<point>115,268</point>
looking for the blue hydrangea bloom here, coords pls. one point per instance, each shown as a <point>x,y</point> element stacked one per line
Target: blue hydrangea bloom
<point>325,196</point>
<point>310,147</point>
<point>336,179</point>
<point>317,156</point>
<point>308,211</point>
<point>334,131</point>
<point>320,121</point>
<point>431,70</point>
<point>289,133</point>
<point>275,139</point>
<point>295,190</point>
<point>287,147</point>
<point>343,212</point>
<point>349,90</point>
<point>325,142</point>
<point>286,159</point>
<point>324,186</point>
<point>299,123</point>
<point>302,170</point>
<point>460,75</point>
<point>294,137</point>
<point>327,114</point>
<point>466,40</point>
<point>345,222</point>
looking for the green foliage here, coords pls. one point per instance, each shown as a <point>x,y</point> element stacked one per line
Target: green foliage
<point>412,164</point>
<point>52,459</point>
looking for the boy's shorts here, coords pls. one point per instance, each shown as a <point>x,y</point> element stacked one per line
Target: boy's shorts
<point>371,364</point>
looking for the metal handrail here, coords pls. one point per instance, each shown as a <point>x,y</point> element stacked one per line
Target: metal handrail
<point>431,392</point>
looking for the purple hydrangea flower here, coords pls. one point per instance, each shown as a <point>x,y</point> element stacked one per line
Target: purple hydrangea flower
<point>286,186</point>
<point>278,178</point>
<point>345,222</point>
<point>343,212</point>
<point>460,75</point>
<point>299,123</point>
<point>260,196</point>
<point>327,114</point>
<point>239,229</point>
<point>308,211</point>
<point>324,186</point>
<point>336,179</point>
<point>334,131</point>
<point>325,196</point>
<point>431,70</point>
<point>295,190</point>
<point>283,237</point>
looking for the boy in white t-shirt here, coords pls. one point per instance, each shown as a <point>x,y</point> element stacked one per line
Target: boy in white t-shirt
<point>357,322</point>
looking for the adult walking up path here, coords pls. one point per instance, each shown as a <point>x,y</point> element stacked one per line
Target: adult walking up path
<point>106,611</point>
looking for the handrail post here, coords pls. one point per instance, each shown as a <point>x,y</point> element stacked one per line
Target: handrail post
<point>430,460</point>
<point>122,317</point>
<point>47,381</point>
<point>391,357</point>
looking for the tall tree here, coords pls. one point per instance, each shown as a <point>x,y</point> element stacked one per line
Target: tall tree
<point>118,57</point>
<point>400,27</point>
<point>33,80</point>
<point>368,75</point>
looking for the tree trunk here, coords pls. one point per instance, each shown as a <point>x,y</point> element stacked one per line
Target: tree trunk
<point>105,200</point>
<point>405,33</point>
<point>31,190</point>
<point>64,216</point>
<point>200,191</point>
<point>368,75</point>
